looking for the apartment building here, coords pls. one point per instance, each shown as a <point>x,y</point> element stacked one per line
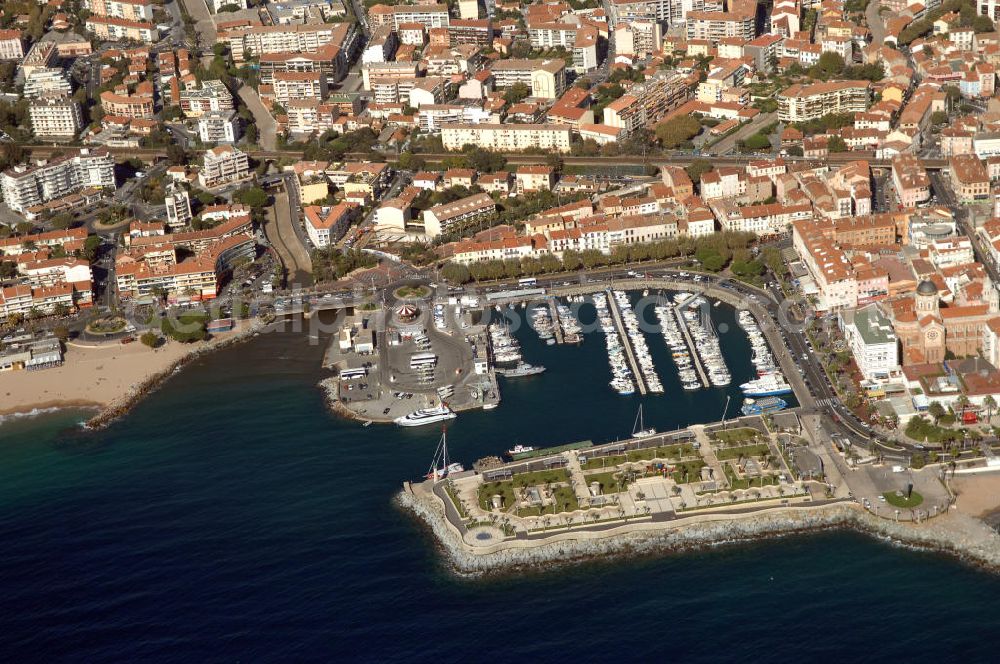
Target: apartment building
<point>24,186</point>
<point>223,164</point>
<point>766,219</point>
<point>219,127</point>
<point>910,179</point>
<point>828,265</point>
<point>108,28</point>
<point>11,45</point>
<point>178,204</point>
<point>545,78</point>
<point>507,137</point>
<point>449,216</point>
<point>144,272</point>
<point>873,342</point>
<point>130,10</point>
<point>638,38</point>
<point>126,105</point>
<point>261,40</point>
<point>310,116</point>
<point>969,178</point>
<point>212,96</point>
<point>328,59</point>
<point>291,85</point>
<point>470,31</point>
<point>55,116</point>
<point>715,26</point>
<point>47,80</point>
<point>326,224</point>
<point>42,54</point>
<point>430,16</point>
<point>799,102</point>
<point>645,104</point>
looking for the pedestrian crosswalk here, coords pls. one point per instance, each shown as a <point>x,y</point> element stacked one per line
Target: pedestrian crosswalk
<point>826,402</point>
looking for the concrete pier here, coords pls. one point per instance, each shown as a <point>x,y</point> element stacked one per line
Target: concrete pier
<point>640,380</point>
<point>556,327</point>
<point>695,357</point>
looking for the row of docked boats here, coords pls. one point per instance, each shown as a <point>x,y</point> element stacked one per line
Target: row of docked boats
<point>621,376</point>
<point>507,358</point>
<point>770,382</point>
<point>706,342</point>
<point>571,330</point>
<point>674,339</point>
<point>542,323</point>
<point>638,341</point>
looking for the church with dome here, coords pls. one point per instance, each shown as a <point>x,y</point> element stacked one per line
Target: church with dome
<point>928,327</point>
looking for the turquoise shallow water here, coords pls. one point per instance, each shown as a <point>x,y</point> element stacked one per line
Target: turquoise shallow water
<point>231,518</point>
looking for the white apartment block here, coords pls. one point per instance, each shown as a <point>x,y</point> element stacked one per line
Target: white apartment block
<point>119,28</point>
<point>55,116</point>
<point>11,45</point>
<point>223,164</point>
<point>280,39</point>
<point>448,216</point>
<point>873,342</point>
<point>430,16</point>
<point>47,80</point>
<point>24,186</point>
<point>507,137</point>
<point>218,127</point>
<point>808,102</point>
<point>211,96</point>
<point>310,116</point>
<point>289,85</point>
<point>219,4</point>
<point>545,78</point>
<point>130,10</point>
<point>178,204</point>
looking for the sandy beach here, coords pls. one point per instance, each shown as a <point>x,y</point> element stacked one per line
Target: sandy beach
<point>95,376</point>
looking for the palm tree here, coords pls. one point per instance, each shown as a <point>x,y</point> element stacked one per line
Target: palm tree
<point>963,403</point>
<point>990,404</point>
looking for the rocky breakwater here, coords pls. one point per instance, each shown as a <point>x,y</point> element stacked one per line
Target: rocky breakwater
<point>965,537</point>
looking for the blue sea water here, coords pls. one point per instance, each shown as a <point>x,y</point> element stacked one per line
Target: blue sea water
<point>230,517</point>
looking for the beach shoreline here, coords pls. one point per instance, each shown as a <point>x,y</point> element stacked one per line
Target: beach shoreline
<point>110,378</point>
<point>966,538</point>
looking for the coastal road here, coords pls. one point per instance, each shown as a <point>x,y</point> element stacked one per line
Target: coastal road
<point>278,227</point>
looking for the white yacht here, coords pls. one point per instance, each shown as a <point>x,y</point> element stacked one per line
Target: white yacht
<point>426,416</point>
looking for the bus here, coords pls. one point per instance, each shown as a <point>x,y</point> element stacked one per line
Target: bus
<point>348,374</point>
<point>527,282</point>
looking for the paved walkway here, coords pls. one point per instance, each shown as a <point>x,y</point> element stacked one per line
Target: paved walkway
<point>204,27</point>
<point>267,128</point>
<point>708,454</point>
<point>578,480</point>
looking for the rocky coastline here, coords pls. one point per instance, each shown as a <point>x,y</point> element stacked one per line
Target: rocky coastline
<point>963,537</point>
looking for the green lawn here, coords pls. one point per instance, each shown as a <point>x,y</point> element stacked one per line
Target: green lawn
<point>902,501</point>
<point>736,482</point>
<point>489,489</point>
<point>608,481</point>
<point>693,469</point>
<point>664,452</point>
<point>730,436</point>
<point>743,450</point>
<point>603,462</point>
<point>541,477</point>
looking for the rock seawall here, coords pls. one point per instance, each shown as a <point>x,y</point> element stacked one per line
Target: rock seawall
<point>968,539</point>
